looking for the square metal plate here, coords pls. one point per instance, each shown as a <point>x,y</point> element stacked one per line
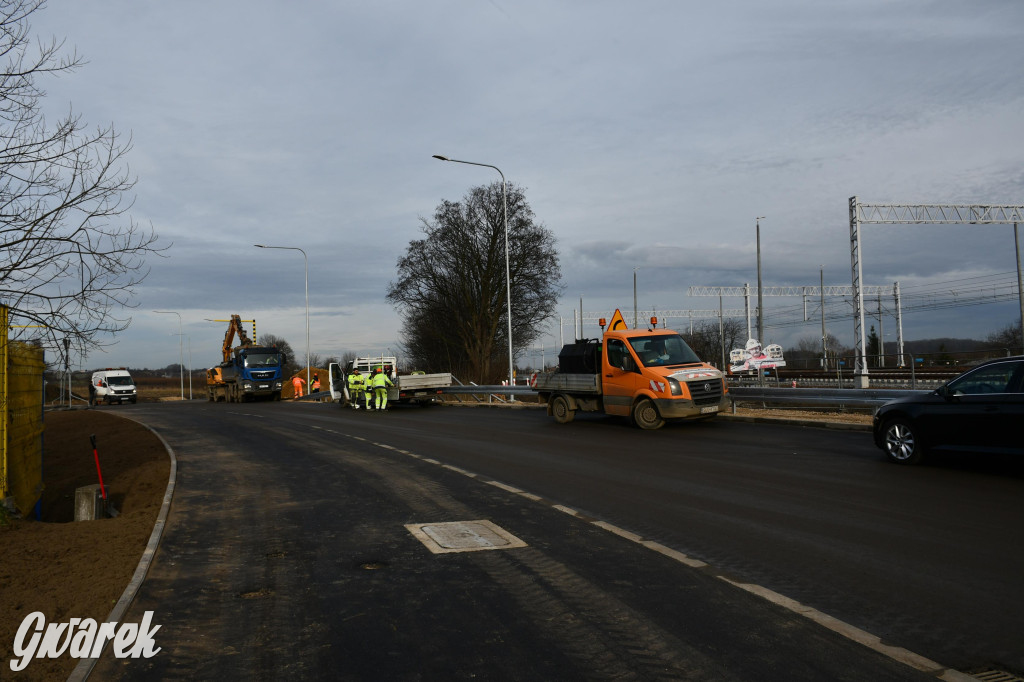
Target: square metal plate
<point>463,536</point>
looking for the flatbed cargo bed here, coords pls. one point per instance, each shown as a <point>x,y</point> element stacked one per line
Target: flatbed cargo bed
<point>419,382</point>
<point>551,382</point>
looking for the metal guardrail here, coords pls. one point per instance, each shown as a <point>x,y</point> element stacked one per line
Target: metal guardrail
<point>492,392</point>
<point>789,397</point>
<point>499,389</point>
<point>818,397</point>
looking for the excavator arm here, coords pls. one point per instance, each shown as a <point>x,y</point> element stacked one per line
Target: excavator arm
<point>234,328</point>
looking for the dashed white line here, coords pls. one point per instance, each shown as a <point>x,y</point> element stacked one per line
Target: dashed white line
<point>846,630</point>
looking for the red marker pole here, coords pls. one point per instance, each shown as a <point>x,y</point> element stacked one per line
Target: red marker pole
<point>99,473</point>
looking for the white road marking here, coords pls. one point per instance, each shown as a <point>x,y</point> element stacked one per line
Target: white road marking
<point>842,628</point>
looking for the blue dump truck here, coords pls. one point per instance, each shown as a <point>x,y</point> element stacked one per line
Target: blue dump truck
<point>248,372</point>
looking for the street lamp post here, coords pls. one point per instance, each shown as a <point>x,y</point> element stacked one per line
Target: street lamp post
<point>181,354</point>
<point>188,340</point>
<point>508,271</point>
<point>306,261</point>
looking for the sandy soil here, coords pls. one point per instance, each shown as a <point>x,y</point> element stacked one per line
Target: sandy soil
<point>79,570</point>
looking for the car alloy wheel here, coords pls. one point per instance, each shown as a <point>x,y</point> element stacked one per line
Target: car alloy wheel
<point>902,444</point>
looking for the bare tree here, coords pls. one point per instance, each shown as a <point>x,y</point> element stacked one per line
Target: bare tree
<point>706,339</point>
<point>451,286</point>
<point>1008,337</point>
<point>288,363</point>
<point>72,256</point>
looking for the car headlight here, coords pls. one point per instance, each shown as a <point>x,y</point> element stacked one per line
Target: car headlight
<point>247,386</point>
<point>673,387</point>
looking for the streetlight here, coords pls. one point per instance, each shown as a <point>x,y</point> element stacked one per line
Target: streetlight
<point>508,271</point>
<point>181,354</point>
<point>306,261</point>
<point>188,339</point>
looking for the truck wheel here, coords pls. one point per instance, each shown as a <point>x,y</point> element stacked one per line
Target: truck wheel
<point>645,415</point>
<point>561,411</point>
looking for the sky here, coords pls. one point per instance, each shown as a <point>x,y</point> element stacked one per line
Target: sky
<point>649,137</point>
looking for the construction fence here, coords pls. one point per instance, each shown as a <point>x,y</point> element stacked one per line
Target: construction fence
<point>21,421</point>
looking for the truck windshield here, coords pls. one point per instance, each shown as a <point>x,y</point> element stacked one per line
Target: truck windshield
<point>262,360</point>
<point>119,381</point>
<point>667,349</point>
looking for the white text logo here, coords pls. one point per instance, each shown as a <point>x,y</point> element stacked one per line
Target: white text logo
<point>81,638</point>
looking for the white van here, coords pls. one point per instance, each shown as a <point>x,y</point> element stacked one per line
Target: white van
<point>112,386</point>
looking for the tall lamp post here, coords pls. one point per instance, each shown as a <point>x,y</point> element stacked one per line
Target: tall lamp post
<point>306,261</point>
<point>181,354</point>
<point>508,271</point>
<point>188,340</point>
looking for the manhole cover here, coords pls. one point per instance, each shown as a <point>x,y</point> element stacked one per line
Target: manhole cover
<point>463,536</point>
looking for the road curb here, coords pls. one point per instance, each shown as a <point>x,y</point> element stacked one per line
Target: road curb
<point>85,666</point>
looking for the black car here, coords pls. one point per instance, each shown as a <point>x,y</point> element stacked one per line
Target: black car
<point>982,410</point>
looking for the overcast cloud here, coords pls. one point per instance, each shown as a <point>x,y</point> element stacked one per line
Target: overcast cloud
<point>648,135</point>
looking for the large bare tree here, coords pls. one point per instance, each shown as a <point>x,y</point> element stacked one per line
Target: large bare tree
<point>451,286</point>
<point>706,339</point>
<point>71,254</point>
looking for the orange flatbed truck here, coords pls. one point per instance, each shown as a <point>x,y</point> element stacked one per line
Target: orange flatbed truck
<point>649,376</point>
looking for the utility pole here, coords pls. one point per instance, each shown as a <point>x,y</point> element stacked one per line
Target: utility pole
<point>634,298</point>
<point>824,337</point>
<point>760,299</point>
<point>1020,286</point>
<point>721,330</point>
<point>881,335</point>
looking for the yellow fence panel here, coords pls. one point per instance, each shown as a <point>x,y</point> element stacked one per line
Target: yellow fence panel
<point>21,433</point>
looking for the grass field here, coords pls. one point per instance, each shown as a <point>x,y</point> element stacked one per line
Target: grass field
<point>151,389</point>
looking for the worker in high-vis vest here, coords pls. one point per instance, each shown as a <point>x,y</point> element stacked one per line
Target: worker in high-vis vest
<point>356,388</point>
<point>380,383</point>
<point>297,383</point>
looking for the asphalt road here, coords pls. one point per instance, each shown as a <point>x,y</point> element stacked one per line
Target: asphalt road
<point>286,554</point>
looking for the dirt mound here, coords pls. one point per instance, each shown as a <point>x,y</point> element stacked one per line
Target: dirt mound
<point>79,570</point>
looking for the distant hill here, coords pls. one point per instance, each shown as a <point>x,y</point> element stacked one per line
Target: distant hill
<point>941,345</point>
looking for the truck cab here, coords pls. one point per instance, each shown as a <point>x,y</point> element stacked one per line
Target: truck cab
<point>653,375</point>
